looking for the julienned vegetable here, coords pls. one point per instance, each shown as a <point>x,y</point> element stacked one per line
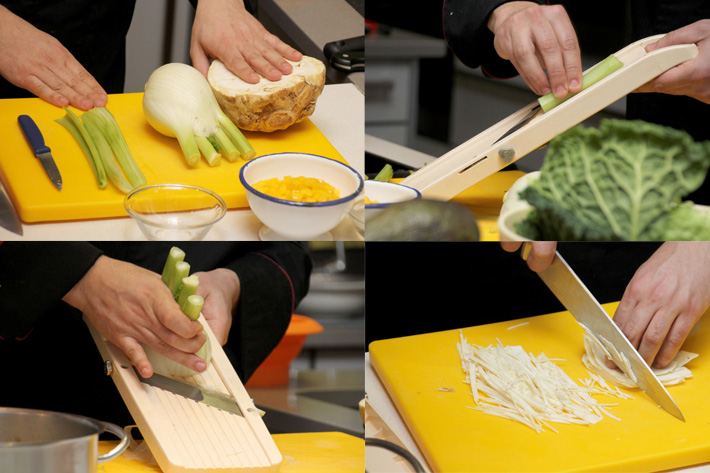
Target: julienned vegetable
<point>179,103</point>
<point>622,181</point>
<point>102,142</point>
<point>592,76</point>
<point>598,350</point>
<point>385,173</point>
<point>184,288</point>
<point>509,382</point>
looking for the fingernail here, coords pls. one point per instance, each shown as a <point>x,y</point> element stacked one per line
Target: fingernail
<point>145,372</point>
<point>574,83</point>
<point>200,366</point>
<point>546,90</point>
<point>560,91</point>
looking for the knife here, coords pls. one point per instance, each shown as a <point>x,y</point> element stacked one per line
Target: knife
<point>205,396</point>
<point>40,150</point>
<point>8,215</point>
<point>577,299</point>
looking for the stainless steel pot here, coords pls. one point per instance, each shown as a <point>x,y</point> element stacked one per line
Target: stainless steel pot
<point>34,441</point>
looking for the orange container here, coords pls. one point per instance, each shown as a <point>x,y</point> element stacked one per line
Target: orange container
<point>273,371</point>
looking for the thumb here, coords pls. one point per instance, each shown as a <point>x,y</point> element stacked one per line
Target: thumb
<point>200,61</point>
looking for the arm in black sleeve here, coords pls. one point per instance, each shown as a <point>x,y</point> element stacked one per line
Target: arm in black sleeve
<point>33,279</point>
<point>273,279</point>
<point>467,33</point>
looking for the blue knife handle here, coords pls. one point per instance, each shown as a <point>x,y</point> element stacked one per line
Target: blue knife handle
<point>33,135</point>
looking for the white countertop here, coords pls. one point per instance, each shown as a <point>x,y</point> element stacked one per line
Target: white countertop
<point>383,461</point>
<point>340,115</point>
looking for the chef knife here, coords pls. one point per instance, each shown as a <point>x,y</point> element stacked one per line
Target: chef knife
<point>577,299</point>
<point>40,150</point>
<point>205,396</point>
<point>8,215</point>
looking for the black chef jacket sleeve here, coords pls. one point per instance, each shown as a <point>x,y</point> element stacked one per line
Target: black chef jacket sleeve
<point>33,279</point>
<point>468,36</point>
<point>273,278</point>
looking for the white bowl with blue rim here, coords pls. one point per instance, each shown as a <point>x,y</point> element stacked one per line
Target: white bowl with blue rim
<point>292,220</point>
<point>381,195</point>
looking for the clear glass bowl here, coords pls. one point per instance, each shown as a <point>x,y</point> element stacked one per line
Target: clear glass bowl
<point>174,211</point>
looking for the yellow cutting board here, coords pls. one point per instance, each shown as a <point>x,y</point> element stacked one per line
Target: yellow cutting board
<point>319,452</point>
<point>454,438</point>
<point>159,157</point>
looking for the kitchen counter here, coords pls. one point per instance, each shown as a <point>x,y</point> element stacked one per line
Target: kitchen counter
<point>345,131</point>
<point>322,452</point>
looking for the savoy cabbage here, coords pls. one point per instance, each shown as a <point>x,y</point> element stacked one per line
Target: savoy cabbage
<point>621,181</point>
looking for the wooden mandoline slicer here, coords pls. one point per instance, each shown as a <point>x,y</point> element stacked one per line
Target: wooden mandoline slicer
<point>186,435</point>
<point>487,153</point>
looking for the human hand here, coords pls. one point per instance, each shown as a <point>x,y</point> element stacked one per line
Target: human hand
<point>224,30</point>
<point>130,306</point>
<point>665,299</point>
<point>541,43</point>
<point>221,290</point>
<point>691,78</point>
<point>37,62</point>
<point>541,253</point>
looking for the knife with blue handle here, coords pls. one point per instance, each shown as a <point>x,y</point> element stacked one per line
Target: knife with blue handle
<point>40,150</point>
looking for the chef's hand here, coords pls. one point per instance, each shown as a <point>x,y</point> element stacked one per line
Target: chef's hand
<point>37,62</point>
<point>665,299</point>
<point>541,253</point>
<point>131,306</point>
<point>224,30</point>
<point>541,43</point>
<point>691,78</point>
<point>221,290</point>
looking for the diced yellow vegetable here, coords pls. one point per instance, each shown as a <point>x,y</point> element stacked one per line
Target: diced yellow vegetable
<point>299,189</point>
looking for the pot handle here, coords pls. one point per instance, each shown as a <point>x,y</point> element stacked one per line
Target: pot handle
<point>122,445</point>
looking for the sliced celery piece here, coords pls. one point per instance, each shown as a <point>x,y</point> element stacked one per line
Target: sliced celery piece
<point>225,146</point>
<point>187,288</point>
<point>211,155</point>
<point>193,306</point>
<point>175,256</point>
<point>113,170</point>
<point>245,148</point>
<point>94,160</point>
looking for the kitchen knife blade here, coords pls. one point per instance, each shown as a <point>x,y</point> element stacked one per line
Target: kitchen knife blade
<point>8,216</point>
<point>535,111</point>
<point>205,396</point>
<point>574,295</point>
<point>40,150</point>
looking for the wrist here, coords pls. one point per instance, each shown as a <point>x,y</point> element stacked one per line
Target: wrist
<point>504,11</point>
<point>77,294</point>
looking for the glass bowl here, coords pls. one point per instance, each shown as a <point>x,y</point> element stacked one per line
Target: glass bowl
<point>174,211</point>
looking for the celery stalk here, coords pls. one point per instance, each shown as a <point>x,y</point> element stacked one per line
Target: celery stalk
<point>193,306</point>
<point>211,155</point>
<point>234,134</point>
<point>113,171</point>
<point>94,160</point>
<point>591,77</point>
<point>188,287</point>
<point>108,125</point>
<point>225,146</point>
<point>175,256</point>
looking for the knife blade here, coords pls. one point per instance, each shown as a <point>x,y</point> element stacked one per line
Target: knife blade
<point>574,295</point>
<point>8,216</point>
<point>205,396</point>
<point>535,111</point>
<point>40,150</point>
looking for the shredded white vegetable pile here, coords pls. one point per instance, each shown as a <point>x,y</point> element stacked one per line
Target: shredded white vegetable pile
<point>598,350</point>
<point>509,382</point>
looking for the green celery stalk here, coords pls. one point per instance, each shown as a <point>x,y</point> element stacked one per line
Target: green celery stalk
<point>193,306</point>
<point>182,270</point>
<point>108,125</point>
<point>225,146</point>
<point>175,256</point>
<point>108,160</point>
<point>94,160</point>
<point>591,77</point>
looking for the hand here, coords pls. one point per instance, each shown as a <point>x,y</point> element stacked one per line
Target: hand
<point>691,78</point>
<point>541,254</point>
<point>37,62</point>
<point>221,290</point>
<point>665,299</point>
<point>224,30</point>
<point>131,306</point>
<point>541,43</point>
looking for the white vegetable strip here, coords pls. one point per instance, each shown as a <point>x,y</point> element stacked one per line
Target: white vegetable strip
<point>509,382</point>
<point>598,350</point>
